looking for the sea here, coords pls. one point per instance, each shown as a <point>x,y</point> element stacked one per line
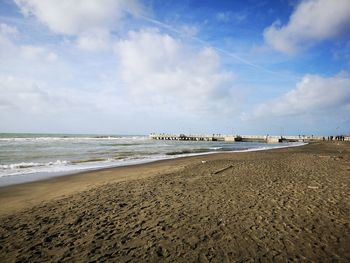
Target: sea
<point>32,157</point>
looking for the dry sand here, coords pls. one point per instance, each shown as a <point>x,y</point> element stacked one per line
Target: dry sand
<point>279,205</point>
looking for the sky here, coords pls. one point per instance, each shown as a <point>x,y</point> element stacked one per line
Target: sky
<point>277,67</point>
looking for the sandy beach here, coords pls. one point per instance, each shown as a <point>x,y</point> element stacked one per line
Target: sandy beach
<point>290,204</point>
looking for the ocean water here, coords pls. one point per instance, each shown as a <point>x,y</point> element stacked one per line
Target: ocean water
<point>30,157</point>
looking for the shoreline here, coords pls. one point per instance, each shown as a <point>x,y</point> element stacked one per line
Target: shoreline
<point>19,179</point>
<point>85,180</point>
<point>273,205</point>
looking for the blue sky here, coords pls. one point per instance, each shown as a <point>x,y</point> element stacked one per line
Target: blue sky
<point>135,67</point>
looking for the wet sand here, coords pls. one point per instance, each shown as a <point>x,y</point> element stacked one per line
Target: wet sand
<point>278,205</point>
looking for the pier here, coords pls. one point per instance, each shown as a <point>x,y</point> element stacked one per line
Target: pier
<point>233,138</point>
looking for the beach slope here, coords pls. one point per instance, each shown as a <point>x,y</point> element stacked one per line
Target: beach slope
<point>277,205</point>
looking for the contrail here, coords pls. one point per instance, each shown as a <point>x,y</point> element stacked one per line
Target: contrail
<point>236,57</point>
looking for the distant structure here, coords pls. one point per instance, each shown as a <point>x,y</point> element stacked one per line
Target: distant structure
<point>235,138</point>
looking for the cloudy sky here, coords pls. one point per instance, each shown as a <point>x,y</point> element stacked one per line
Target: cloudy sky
<point>135,67</point>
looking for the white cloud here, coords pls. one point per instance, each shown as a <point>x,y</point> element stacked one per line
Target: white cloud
<point>10,51</point>
<point>37,53</point>
<point>51,57</point>
<point>223,16</point>
<point>26,95</point>
<point>162,71</point>
<point>7,33</point>
<point>312,21</point>
<point>75,17</point>
<point>229,16</point>
<point>188,30</point>
<point>313,95</point>
<point>8,30</point>
<point>23,94</point>
<point>91,21</point>
<point>94,41</point>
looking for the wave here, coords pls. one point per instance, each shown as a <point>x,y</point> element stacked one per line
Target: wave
<point>13,173</point>
<point>22,165</point>
<point>112,159</point>
<point>92,160</point>
<point>277,146</point>
<point>216,148</point>
<point>66,138</point>
<point>61,167</point>
<point>121,144</point>
<point>189,151</point>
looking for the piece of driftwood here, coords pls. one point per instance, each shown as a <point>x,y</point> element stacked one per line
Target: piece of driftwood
<point>223,169</point>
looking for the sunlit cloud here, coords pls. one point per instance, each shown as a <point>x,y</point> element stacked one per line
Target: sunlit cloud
<point>313,95</point>
<point>312,21</point>
<point>160,69</point>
